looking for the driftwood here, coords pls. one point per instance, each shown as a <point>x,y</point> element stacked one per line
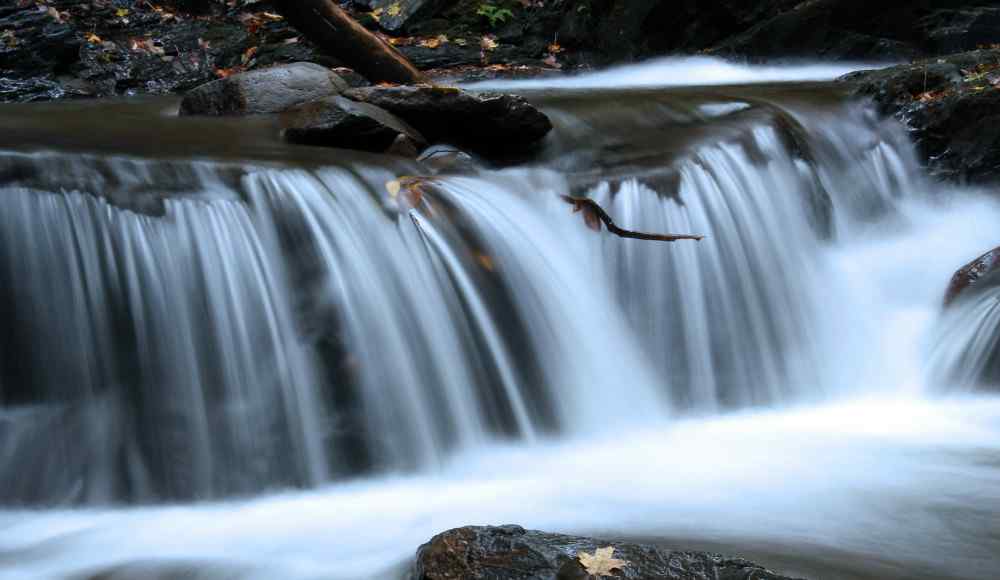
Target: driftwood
<point>335,32</point>
<point>594,215</point>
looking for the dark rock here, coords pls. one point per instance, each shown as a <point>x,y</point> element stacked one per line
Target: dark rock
<point>395,14</point>
<point>485,122</point>
<point>865,30</point>
<point>980,273</point>
<point>339,122</point>
<point>513,553</point>
<point>352,78</point>
<point>952,106</point>
<point>405,146</point>
<point>263,91</point>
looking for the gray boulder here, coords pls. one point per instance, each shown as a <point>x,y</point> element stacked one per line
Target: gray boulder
<point>263,91</point>
<point>488,122</point>
<point>513,553</point>
<point>339,122</point>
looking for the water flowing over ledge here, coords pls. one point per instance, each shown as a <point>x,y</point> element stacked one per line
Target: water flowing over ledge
<point>203,331</point>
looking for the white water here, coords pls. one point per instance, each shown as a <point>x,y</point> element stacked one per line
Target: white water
<point>684,71</point>
<point>785,405</point>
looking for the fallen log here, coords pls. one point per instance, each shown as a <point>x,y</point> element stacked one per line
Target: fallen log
<point>594,215</point>
<point>334,31</point>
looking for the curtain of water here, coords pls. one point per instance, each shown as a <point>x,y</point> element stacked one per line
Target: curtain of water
<point>271,328</point>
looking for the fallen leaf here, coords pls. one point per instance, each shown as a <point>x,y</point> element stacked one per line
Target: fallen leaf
<point>121,12</point>
<point>488,43</point>
<point>407,189</point>
<point>93,38</point>
<point>248,54</point>
<point>376,14</point>
<point>434,42</point>
<point>393,187</point>
<point>554,48</point>
<point>486,262</point>
<point>394,9</point>
<point>601,562</point>
<point>272,16</point>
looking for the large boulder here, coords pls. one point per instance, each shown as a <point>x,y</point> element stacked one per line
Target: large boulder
<point>339,122</point>
<point>263,91</point>
<point>485,122</point>
<point>952,106</point>
<point>980,273</point>
<point>513,553</point>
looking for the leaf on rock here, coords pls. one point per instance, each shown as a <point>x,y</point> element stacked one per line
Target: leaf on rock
<point>121,12</point>
<point>488,43</point>
<point>601,562</point>
<point>376,14</point>
<point>93,38</point>
<point>394,9</point>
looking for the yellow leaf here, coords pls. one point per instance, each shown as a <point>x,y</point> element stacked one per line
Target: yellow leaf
<point>393,187</point>
<point>395,9</point>
<point>93,38</point>
<point>376,14</point>
<point>272,16</point>
<point>601,562</point>
<point>487,43</point>
<point>121,12</point>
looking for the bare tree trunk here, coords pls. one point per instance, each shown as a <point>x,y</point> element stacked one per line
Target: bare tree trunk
<point>330,28</point>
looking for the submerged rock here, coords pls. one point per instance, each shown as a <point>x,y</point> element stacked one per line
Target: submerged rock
<point>952,106</point>
<point>513,553</point>
<point>262,91</point>
<point>339,122</point>
<point>980,273</point>
<point>488,121</point>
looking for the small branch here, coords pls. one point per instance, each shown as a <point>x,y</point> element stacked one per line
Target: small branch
<point>592,210</point>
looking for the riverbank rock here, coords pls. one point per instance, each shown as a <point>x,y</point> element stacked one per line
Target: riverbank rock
<point>952,107</point>
<point>339,122</point>
<point>483,122</point>
<point>982,272</point>
<point>270,90</point>
<point>513,553</point>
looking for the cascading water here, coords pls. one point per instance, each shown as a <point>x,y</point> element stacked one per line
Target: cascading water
<point>469,352</point>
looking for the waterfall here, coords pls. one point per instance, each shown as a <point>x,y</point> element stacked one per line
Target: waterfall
<point>196,330</point>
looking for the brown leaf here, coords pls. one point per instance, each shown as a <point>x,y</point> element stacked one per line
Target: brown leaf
<point>601,562</point>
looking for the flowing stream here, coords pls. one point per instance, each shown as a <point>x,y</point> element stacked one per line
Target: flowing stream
<point>261,363</point>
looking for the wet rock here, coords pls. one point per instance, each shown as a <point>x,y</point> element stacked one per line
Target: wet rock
<point>36,41</point>
<point>352,78</point>
<point>951,105</point>
<point>444,159</point>
<point>485,122</point>
<point>863,30</point>
<point>980,273</point>
<point>263,91</point>
<point>513,553</point>
<point>339,122</point>
<point>395,14</point>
